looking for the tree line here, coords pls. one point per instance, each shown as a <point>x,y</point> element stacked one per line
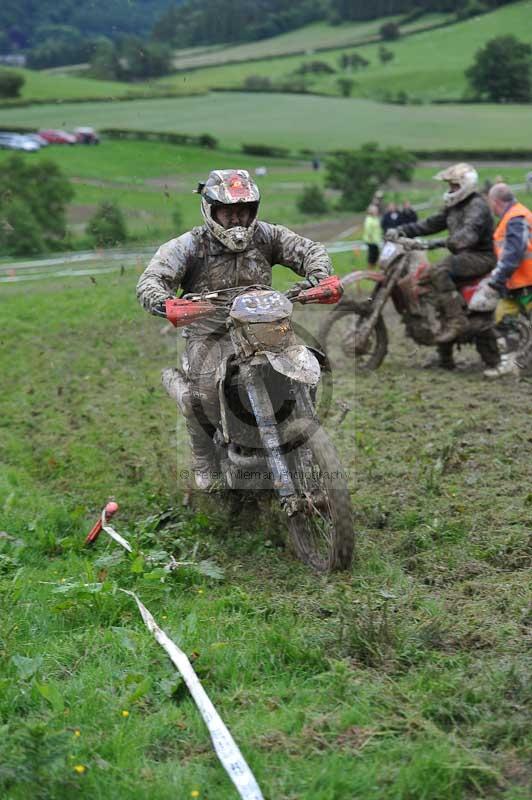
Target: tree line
<point>195,22</point>
<point>54,30</point>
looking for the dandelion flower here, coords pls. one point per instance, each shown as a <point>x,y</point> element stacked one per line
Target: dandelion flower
<point>125,713</point>
<point>80,769</point>
<point>77,732</point>
<point>194,793</point>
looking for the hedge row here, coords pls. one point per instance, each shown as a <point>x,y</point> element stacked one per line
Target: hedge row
<point>274,151</point>
<point>472,155</point>
<point>203,140</point>
<point>20,102</point>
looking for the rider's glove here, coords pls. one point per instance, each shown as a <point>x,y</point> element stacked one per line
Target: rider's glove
<point>159,309</point>
<point>310,281</point>
<point>497,282</point>
<point>392,234</point>
<point>434,244</point>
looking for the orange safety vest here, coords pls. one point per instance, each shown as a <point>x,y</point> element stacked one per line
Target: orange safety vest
<point>523,274</point>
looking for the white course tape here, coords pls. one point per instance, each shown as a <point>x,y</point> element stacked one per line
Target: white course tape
<point>225,746</point>
<point>114,535</point>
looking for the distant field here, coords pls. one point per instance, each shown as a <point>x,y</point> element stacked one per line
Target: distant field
<point>41,85</point>
<point>299,121</point>
<point>55,84</point>
<point>309,38</point>
<point>149,180</point>
<point>426,66</point>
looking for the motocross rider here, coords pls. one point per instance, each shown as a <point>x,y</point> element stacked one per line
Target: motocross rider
<point>466,215</point>
<point>232,248</point>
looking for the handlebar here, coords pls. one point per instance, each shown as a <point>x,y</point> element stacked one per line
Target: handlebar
<point>418,244</point>
<point>191,307</point>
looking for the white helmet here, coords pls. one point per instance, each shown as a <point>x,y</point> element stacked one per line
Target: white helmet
<point>465,176</point>
<point>229,187</point>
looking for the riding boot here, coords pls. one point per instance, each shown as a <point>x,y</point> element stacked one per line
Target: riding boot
<point>203,456</point>
<point>444,359</point>
<point>507,366</point>
<point>454,318</point>
<point>204,464</point>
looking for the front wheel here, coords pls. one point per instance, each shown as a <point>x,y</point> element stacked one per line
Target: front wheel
<point>337,337</point>
<point>322,534</point>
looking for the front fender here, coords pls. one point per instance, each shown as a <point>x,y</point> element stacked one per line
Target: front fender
<point>362,275</point>
<point>296,363</point>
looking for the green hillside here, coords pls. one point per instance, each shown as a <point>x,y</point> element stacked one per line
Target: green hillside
<point>55,84</point>
<point>307,39</point>
<point>426,66</point>
<point>298,121</point>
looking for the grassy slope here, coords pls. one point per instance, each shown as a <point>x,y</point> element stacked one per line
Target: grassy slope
<point>308,39</point>
<point>149,179</point>
<point>299,121</point>
<point>426,66</point>
<point>405,680</point>
<point>41,85</point>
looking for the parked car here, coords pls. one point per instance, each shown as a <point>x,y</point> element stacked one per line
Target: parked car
<point>16,141</point>
<point>54,136</point>
<point>86,136</point>
<point>41,141</point>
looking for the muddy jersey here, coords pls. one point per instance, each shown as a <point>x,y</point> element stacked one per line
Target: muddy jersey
<point>197,262</point>
<point>469,223</point>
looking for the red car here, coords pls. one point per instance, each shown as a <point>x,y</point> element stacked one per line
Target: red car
<point>58,137</point>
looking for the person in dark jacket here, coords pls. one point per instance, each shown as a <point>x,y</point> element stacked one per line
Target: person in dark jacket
<point>391,218</point>
<point>407,214</point>
<point>467,218</point>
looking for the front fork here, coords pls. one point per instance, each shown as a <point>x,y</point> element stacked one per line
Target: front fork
<point>379,299</point>
<point>264,414</point>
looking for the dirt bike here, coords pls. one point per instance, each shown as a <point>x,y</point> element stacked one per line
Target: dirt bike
<point>269,435</point>
<point>355,331</point>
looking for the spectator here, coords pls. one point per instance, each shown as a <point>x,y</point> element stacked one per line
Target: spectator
<point>377,200</point>
<point>511,279</point>
<point>407,213</point>
<point>390,218</point>
<point>372,235</point>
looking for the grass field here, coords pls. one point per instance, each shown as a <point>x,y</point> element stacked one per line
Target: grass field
<point>426,66</point>
<point>406,679</point>
<point>148,180</point>
<point>307,39</point>
<point>297,121</point>
<point>54,85</point>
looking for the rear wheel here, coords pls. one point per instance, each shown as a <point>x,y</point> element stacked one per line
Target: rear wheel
<point>337,337</point>
<point>322,534</point>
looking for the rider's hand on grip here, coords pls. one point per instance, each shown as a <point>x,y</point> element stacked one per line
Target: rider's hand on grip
<point>434,244</point>
<point>392,235</point>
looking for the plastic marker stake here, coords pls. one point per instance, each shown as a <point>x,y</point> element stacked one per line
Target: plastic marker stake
<point>110,509</point>
<point>114,535</point>
<point>225,746</point>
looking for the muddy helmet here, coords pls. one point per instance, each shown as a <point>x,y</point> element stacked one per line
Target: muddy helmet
<point>465,176</point>
<point>229,187</point>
